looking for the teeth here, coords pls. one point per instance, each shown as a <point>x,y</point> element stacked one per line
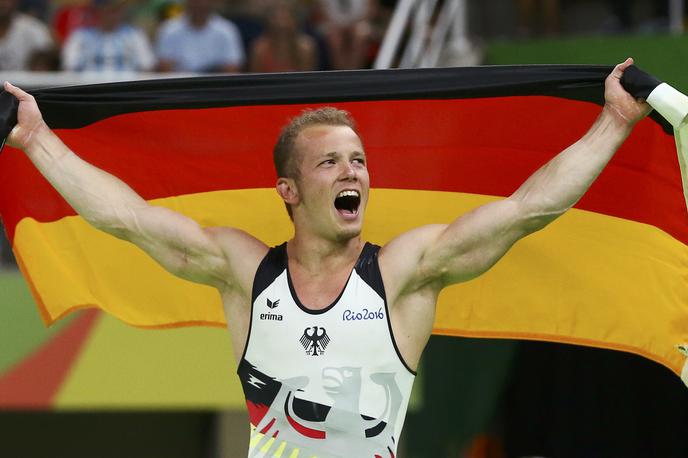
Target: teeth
<point>348,193</point>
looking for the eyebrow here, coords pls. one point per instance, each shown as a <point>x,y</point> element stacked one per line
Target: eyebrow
<point>336,154</point>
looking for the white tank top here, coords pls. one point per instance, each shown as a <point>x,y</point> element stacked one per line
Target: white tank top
<point>323,383</point>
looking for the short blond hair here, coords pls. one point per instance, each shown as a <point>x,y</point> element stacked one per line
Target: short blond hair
<point>284,154</point>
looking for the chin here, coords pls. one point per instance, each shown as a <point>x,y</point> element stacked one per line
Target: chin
<point>348,233</point>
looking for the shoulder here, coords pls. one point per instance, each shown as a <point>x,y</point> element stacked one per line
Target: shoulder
<point>80,38</point>
<point>237,240</point>
<point>128,29</point>
<point>79,34</point>
<point>401,260</point>
<point>243,252</point>
<point>133,33</point>
<point>26,21</point>
<point>221,25</point>
<point>411,243</point>
<point>30,25</point>
<point>172,26</point>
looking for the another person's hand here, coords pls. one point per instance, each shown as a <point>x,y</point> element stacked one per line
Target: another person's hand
<point>619,103</point>
<point>29,120</point>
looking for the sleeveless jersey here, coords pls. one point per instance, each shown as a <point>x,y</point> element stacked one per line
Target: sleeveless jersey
<point>323,383</point>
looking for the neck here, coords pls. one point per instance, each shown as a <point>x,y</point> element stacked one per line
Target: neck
<point>319,256</point>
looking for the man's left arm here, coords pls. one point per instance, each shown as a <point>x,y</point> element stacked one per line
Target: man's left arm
<point>469,246</point>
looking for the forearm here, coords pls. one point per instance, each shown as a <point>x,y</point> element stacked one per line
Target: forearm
<point>560,183</point>
<point>475,241</point>
<point>103,200</point>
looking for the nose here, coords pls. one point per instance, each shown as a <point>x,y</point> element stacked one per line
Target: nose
<point>348,173</point>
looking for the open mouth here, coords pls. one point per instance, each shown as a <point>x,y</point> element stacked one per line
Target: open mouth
<point>347,202</point>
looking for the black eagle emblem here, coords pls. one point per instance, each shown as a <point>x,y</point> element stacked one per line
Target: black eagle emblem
<point>316,341</point>
<point>272,305</point>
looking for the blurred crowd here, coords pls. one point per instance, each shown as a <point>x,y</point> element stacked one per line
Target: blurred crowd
<point>191,36</point>
<point>201,36</point>
<point>546,17</point>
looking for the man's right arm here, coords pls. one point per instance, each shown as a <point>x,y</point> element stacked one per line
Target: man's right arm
<point>178,243</point>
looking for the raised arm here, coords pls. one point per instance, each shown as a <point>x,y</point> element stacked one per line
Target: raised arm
<point>178,243</point>
<point>436,256</point>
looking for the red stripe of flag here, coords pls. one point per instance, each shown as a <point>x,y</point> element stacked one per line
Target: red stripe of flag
<point>484,146</point>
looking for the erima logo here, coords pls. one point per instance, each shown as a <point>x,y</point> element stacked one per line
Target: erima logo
<point>271,316</point>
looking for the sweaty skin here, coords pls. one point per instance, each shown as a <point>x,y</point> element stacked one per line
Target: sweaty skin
<point>415,266</point>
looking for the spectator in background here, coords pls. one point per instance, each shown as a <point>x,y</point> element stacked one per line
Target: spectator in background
<point>348,31</point>
<point>199,41</point>
<point>282,47</point>
<point>68,18</point>
<point>538,17</point>
<point>20,36</point>
<point>148,15</point>
<point>110,46</point>
<point>45,60</point>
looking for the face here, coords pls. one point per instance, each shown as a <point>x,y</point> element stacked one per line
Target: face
<point>282,20</point>
<point>331,192</point>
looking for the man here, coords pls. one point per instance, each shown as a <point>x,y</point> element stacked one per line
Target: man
<point>327,329</point>
<point>199,41</point>
<point>20,37</point>
<point>112,45</point>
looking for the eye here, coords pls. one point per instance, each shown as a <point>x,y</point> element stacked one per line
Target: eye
<point>328,162</point>
<point>359,160</point>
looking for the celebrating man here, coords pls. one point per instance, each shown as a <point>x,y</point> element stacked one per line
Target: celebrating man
<point>328,329</point>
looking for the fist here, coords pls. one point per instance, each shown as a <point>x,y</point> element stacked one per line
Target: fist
<point>30,122</point>
<point>619,103</point>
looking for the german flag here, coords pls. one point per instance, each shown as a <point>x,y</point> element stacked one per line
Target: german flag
<point>610,273</point>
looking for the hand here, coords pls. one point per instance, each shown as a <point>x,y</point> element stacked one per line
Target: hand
<point>619,103</point>
<point>29,120</point>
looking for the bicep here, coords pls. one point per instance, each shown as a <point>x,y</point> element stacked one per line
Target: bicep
<point>438,255</point>
<point>177,243</point>
<point>474,242</point>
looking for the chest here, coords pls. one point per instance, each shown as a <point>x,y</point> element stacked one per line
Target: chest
<point>317,291</point>
<point>341,334</point>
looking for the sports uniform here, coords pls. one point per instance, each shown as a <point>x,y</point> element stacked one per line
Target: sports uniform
<point>323,383</point>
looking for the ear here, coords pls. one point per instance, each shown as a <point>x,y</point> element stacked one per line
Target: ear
<point>286,188</point>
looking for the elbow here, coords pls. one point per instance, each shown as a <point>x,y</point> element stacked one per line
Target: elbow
<point>117,230</point>
<point>114,222</point>
<point>538,222</point>
<point>536,216</point>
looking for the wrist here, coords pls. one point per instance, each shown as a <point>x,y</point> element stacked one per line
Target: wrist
<point>613,119</point>
<point>38,138</point>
